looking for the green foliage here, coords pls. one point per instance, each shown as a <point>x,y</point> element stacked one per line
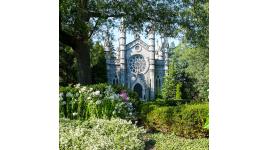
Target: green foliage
<point>171,142</point>
<point>67,66</point>
<point>158,95</point>
<point>169,87</point>
<point>99,134</point>
<point>98,62</point>
<point>171,102</point>
<point>207,123</point>
<point>178,93</point>
<point>186,120</point>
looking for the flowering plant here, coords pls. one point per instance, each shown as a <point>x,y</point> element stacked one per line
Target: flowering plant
<point>83,103</point>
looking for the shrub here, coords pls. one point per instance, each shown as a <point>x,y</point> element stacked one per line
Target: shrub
<point>186,120</point>
<point>100,134</point>
<point>171,102</point>
<point>158,96</point>
<point>178,93</point>
<point>189,121</point>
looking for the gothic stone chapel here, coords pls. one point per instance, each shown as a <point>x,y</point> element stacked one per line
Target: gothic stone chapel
<point>138,65</point>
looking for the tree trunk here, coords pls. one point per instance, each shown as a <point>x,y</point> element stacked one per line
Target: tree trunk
<point>83,63</point>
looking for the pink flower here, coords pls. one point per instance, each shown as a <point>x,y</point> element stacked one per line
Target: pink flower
<point>125,102</point>
<point>128,105</point>
<point>124,91</point>
<point>124,96</point>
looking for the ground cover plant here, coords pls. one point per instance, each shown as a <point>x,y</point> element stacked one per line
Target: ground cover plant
<point>100,134</point>
<point>171,142</point>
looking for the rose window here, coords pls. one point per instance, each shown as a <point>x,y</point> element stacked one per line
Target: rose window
<point>137,63</point>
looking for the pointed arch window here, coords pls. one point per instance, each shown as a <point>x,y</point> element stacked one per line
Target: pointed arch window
<point>115,80</point>
<point>157,84</point>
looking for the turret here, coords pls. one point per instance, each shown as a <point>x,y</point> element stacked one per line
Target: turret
<point>118,49</point>
<point>160,50</point>
<point>152,60</point>
<point>107,50</point>
<point>166,46</point>
<point>156,50</point>
<point>122,52</point>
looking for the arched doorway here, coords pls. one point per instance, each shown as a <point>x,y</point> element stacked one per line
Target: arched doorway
<point>138,89</point>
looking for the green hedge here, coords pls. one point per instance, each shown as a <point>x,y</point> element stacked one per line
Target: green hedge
<point>185,120</point>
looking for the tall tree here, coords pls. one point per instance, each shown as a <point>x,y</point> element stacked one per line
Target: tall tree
<point>99,72</point>
<point>80,20</point>
<point>195,49</point>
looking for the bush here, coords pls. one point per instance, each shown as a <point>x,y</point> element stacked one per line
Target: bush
<point>158,96</point>
<point>178,93</point>
<point>186,120</point>
<point>100,134</point>
<point>190,120</point>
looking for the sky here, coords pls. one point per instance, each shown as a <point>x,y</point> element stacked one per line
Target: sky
<point>130,38</point>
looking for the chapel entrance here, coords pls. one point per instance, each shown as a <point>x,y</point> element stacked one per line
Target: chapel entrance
<point>138,89</point>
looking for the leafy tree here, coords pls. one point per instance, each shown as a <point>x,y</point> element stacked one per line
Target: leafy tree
<point>67,66</point>
<point>99,72</point>
<point>79,21</point>
<point>169,87</point>
<point>194,52</point>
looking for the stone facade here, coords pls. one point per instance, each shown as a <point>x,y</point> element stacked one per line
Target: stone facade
<point>138,65</point>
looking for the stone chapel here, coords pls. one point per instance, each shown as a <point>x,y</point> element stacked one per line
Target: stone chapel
<point>139,66</point>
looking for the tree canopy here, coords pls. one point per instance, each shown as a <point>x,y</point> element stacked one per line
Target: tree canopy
<point>81,20</point>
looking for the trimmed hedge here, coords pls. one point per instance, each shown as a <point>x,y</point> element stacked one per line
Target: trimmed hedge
<point>184,120</point>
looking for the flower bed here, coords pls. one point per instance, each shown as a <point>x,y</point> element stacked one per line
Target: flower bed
<point>85,102</point>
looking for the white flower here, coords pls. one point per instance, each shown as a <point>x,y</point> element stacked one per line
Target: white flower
<point>61,98</point>
<point>127,98</point>
<point>64,103</point>
<point>77,85</point>
<point>70,95</point>
<point>70,102</point>
<point>83,89</point>
<point>97,93</point>
<point>114,112</point>
<point>74,114</point>
<point>98,102</point>
<point>77,94</point>
<point>90,89</point>
<point>115,107</point>
<point>130,103</point>
<point>91,102</point>
<point>89,97</point>
<point>130,113</point>
<point>118,111</point>
<point>61,94</point>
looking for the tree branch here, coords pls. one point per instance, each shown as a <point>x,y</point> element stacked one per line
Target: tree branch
<point>94,28</point>
<point>64,37</point>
